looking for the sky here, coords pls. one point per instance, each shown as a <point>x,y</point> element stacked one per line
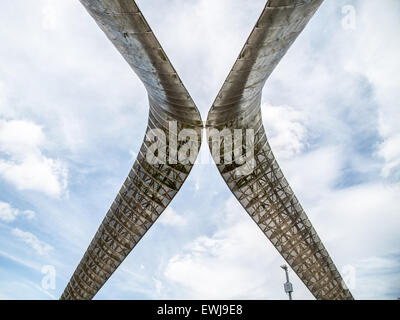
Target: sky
<point>73,116</point>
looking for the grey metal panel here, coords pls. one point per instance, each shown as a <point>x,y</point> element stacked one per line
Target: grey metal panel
<point>265,193</point>
<point>149,188</point>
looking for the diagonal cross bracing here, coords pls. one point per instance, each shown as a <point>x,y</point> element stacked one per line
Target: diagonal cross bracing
<point>149,188</point>
<point>264,193</point>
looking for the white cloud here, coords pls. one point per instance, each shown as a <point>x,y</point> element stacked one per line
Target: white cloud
<point>352,96</point>
<point>356,224</point>
<point>17,137</point>
<point>321,88</point>
<point>285,129</point>
<point>133,155</point>
<point>23,261</point>
<point>377,59</point>
<point>171,218</point>
<point>158,285</point>
<point>367,216</point>
<point>378,278</point>
<point>232,263</point>
<point>11,290</point>
<point>3,96</point>
<point>204,46</point>
<point>23,163</point>
<point>314,173</point>
<point>390,151</point>
<point>49,17</point>
<point>319,102</point>
<point>8,213</point>
<point>40,247</point>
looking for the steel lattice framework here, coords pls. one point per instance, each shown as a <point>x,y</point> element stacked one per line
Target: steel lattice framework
<point>264,193</point>
<point>149,188</point>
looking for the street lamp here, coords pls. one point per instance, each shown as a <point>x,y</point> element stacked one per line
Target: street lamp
<point>288,285</point>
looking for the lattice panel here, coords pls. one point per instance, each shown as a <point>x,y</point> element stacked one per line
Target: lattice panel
<point>149,188</point>
<point>265,193</point>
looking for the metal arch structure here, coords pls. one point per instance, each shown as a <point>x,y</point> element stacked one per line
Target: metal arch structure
<point>149,188</point>
<point>265,193</point>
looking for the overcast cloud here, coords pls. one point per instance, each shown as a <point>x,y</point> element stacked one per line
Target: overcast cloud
<point>73,115</point>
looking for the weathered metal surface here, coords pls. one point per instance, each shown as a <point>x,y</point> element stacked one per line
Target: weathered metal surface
<point>149,188</point>
<point>265,193</point>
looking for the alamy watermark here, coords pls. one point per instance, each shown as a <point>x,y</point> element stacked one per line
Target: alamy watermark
<point>349,20</point>
<point>349,277</point>
<point>49,279</point>
<point>227,146</point>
